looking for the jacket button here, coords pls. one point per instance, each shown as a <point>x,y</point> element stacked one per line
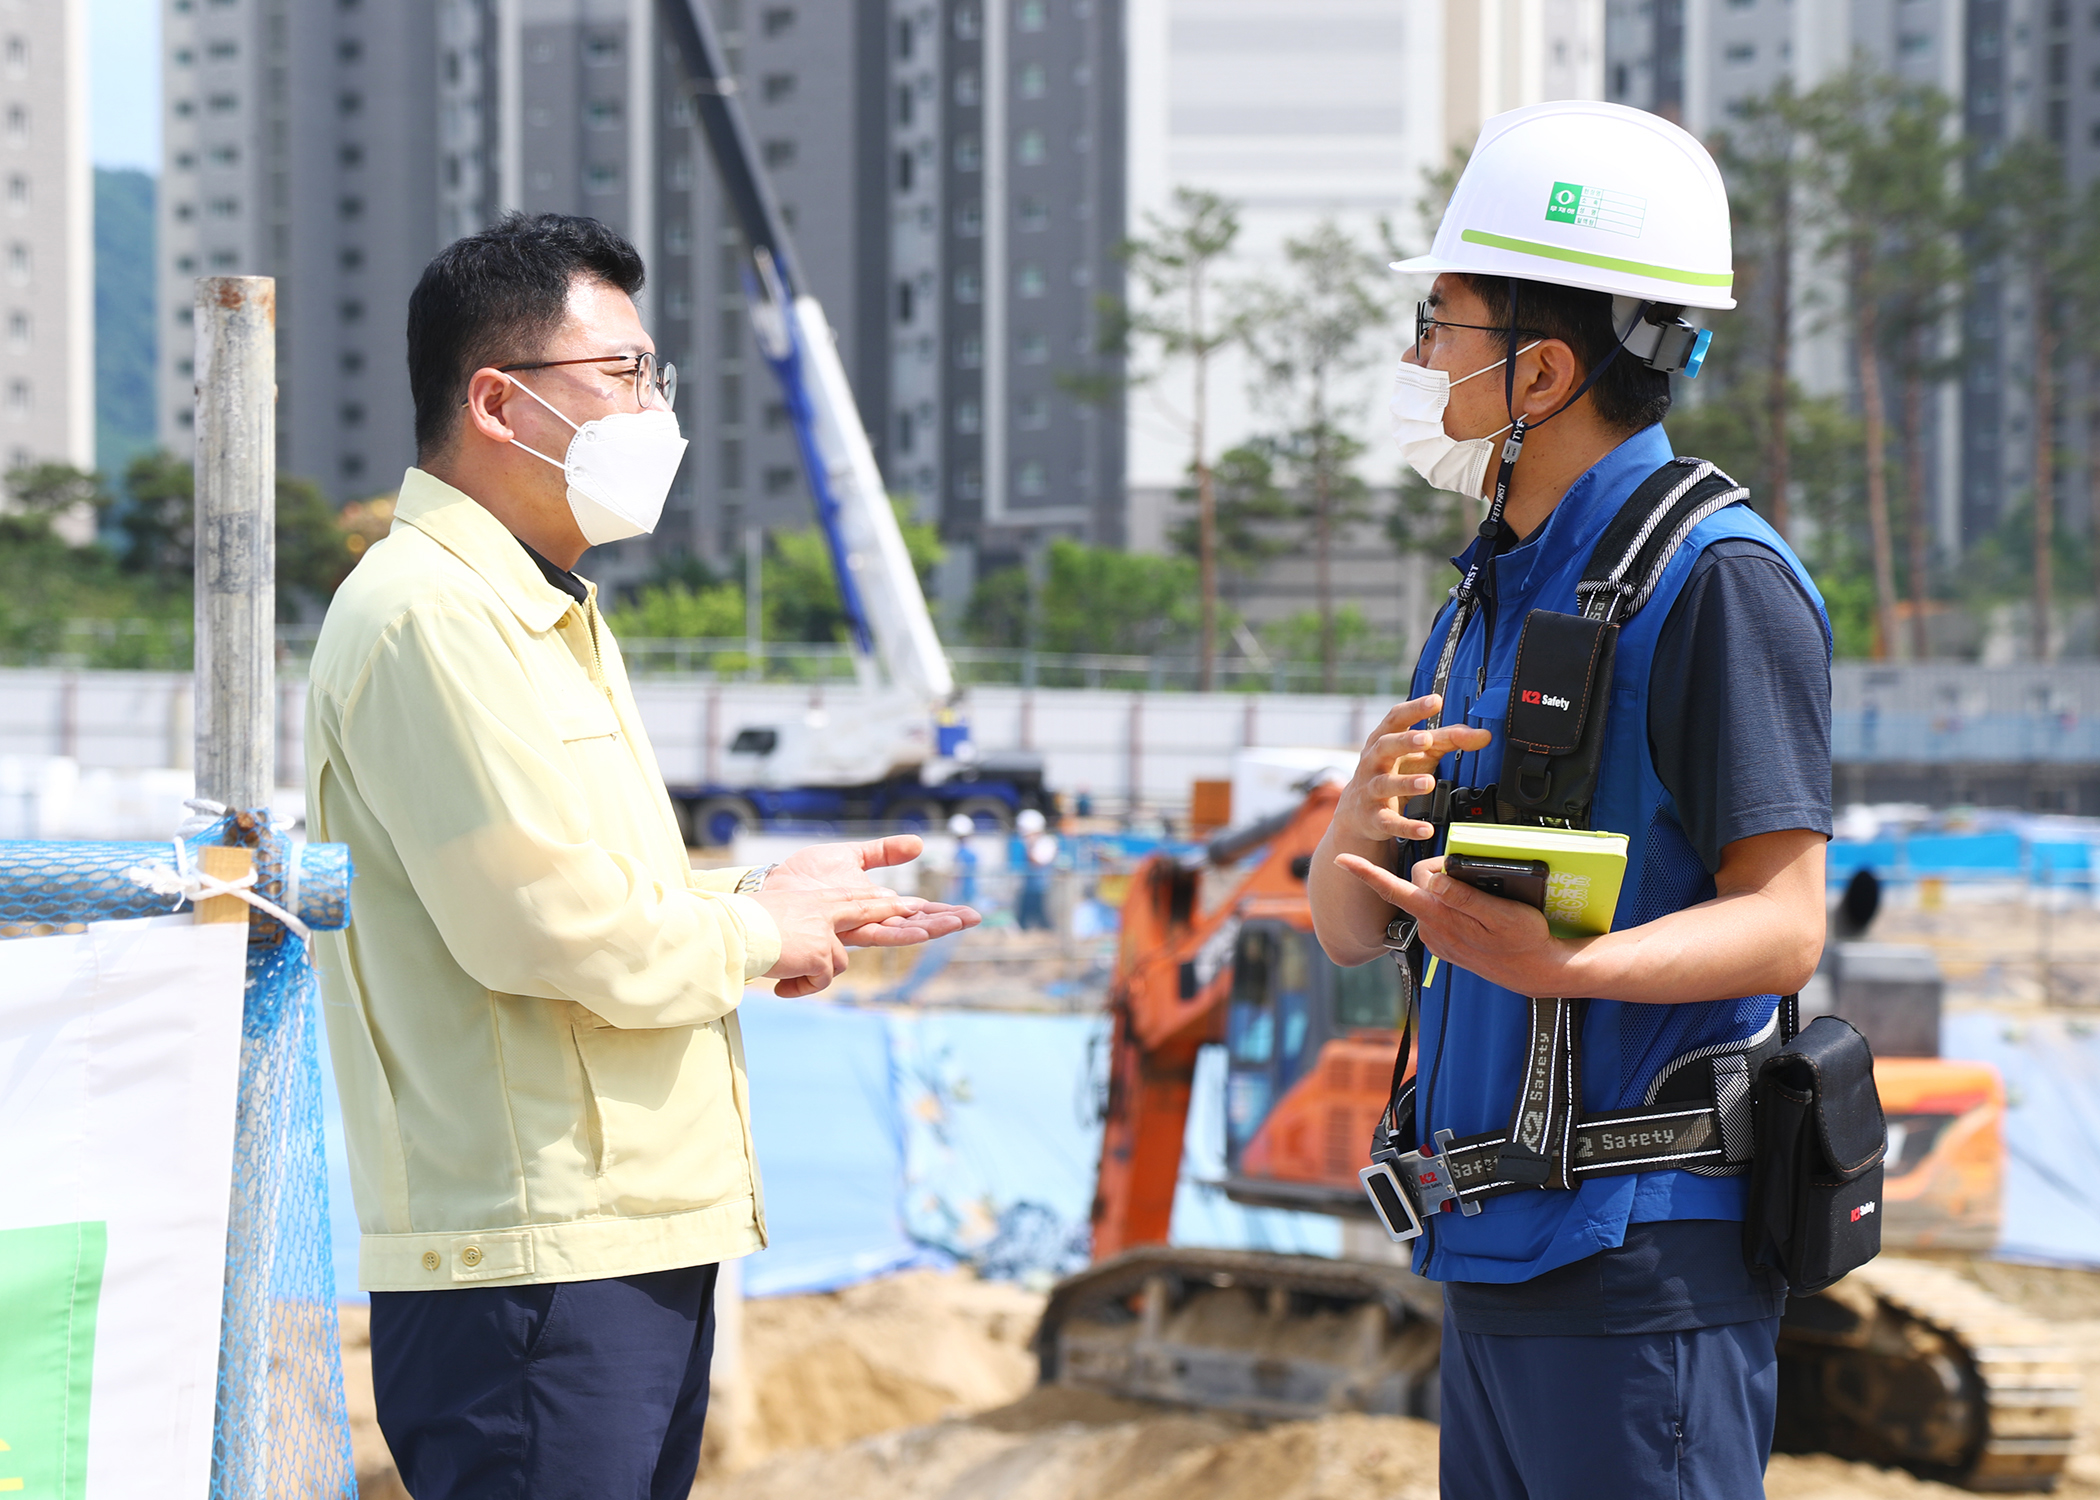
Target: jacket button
<point>470,1257</point>
<point>430,1260</point>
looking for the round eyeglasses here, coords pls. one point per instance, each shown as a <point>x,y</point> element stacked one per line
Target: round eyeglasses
<point>648,374</point>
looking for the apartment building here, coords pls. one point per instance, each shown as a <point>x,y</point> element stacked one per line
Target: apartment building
<point>2012,68</point>
<point>47,256</point>
<point>951,174</point>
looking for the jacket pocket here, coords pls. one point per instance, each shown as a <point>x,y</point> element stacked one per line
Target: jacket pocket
<point>666,1134</point>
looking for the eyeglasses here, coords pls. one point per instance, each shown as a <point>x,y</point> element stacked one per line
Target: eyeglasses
<point>1427,323</point>
<point>648,374</point>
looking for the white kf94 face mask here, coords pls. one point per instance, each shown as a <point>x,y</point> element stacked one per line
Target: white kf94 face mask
<point>1420,395</point>
<point>619,469</point>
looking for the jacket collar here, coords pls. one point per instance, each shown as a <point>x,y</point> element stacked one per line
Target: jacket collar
<point>1575,523</point>
<point>463,527</point>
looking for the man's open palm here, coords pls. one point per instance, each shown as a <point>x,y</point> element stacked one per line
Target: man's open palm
<point>833,867</point>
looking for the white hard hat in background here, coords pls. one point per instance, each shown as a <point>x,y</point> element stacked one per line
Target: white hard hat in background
<point>1585,194</point>
<point>962,825</point>
<point>1029,822</point>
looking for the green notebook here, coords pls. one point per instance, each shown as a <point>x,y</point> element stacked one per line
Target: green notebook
<point>1584,869</point>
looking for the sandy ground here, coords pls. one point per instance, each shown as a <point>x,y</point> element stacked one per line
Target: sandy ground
<point>921,1387</point>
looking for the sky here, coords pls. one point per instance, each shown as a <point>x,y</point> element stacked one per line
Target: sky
<point>124,83</point>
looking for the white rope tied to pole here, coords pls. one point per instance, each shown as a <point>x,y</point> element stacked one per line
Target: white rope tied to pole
<point>188,882</point>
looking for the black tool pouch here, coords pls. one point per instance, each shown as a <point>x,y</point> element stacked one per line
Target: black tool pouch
<point>1815,1179</point>
<point>1553,741</point>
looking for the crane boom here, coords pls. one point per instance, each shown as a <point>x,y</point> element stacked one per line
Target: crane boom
<point>878,588</point>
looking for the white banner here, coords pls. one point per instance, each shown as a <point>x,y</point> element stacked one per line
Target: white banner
<point>119,1060</point>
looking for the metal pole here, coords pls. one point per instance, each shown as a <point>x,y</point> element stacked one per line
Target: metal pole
<point>754,602</point>
<point>236,531</point>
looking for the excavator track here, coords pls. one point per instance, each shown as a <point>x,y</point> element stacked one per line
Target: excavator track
<point>1905,1362</point>
<point>1279,1336</point>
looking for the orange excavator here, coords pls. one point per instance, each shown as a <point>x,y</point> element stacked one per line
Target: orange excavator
<point>1902,1362</point>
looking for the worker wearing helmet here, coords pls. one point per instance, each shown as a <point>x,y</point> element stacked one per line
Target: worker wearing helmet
<point>1602,1333</point>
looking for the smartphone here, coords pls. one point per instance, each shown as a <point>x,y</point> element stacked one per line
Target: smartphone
<point>1512,879</point>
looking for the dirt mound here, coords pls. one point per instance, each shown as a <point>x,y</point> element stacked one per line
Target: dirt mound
<point>1049,1449</point>
<point>824,1370</point>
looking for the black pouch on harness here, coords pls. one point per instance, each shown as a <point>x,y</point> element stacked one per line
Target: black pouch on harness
<point>1553,741</point>
<point>1815,1182</point>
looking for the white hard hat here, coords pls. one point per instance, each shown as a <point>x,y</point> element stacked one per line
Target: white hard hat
<point>1030,821</point>
<point>962,825</point>
<point>1592,195</point>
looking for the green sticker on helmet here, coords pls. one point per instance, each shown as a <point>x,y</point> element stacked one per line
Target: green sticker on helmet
<point>1596,208</point>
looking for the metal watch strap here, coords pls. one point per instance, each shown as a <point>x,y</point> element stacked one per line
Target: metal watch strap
<point>754,878</point>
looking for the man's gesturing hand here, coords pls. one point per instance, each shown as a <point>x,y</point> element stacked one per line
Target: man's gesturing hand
<point>813,924</point>
<point>844,867</point>
<point>1399,762</point>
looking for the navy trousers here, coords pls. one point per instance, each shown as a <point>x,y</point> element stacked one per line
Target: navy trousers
<point>1643,1416</point>
<point>568,1390</point>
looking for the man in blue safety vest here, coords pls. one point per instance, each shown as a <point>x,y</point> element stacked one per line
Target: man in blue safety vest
<point>1602,1333</point>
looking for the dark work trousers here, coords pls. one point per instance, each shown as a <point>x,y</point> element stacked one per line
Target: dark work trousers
<point>568,1390</point>
<point>1637,1416</point>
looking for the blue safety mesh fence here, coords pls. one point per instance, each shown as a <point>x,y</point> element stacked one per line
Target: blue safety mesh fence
<point>281,1427</point>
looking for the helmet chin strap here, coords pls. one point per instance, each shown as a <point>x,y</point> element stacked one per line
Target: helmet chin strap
<point>1491,528</point>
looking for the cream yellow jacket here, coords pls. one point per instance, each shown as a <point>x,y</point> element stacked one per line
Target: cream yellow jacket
<point>532,1013</point>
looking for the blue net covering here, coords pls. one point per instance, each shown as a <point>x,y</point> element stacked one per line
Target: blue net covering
<point>281,1427</point>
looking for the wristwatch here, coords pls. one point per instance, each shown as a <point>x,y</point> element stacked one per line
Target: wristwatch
<point>755,877</point>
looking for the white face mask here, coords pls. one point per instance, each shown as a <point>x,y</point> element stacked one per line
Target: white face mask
<point>1420,395</point>
<point>619,469</point>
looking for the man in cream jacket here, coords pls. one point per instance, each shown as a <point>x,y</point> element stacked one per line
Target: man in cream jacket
<point>533,1017</point>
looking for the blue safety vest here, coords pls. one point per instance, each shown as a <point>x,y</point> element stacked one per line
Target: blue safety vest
<point>1482,1028</point>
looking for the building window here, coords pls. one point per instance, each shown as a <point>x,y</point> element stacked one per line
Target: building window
<point>1030,15</point>
<point>967,287</point>
<point>223,208</point>
<point>778,86</point>
<point>353,414</point>
<point>350,310</point>
<point>732,464</point>
<point>968,418</point>
<point>907,103</point>
<point>224,260</point>
<point>780,479</point>
<point>223,51</point>
<point>600,177</point>
<point>969,352</point>
<point>969,219</point>
<point>349,102</point>
<point>1034,349</point>
<point>1032,80</point>
<point>18,330</point>
<point>969,155</point>
<point>1034,214</point>
<point>222,104</point>
<point>351,362</point>
<point>907,39</point>
<point>353,466</point>
<point>18,193</point>
<point>1029,149</point>
<point>185,107</point>
<point>351,207</point>
<point>1034,414</point>
<point>18,262</point>
<point>17,55</point>
<point>968,26</point>
<point>967,92</point>
<point>348,50</point>
<point>778,20</point>
<point>969,484</point>
<point>602,49</point>
<point>1082,274</point>
<point>1030,479</point>
<point>904,171</point>
<point>780,153</point>
<point>905,292</point>
<point>602,114</point>
<point>1028,281</point>
<point>226,156</point>
<point>17,124</point>
<point>19,398</point>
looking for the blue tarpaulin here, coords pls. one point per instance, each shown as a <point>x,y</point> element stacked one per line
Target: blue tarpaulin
<point>892,1138</point>
<point>2051,1066</point>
